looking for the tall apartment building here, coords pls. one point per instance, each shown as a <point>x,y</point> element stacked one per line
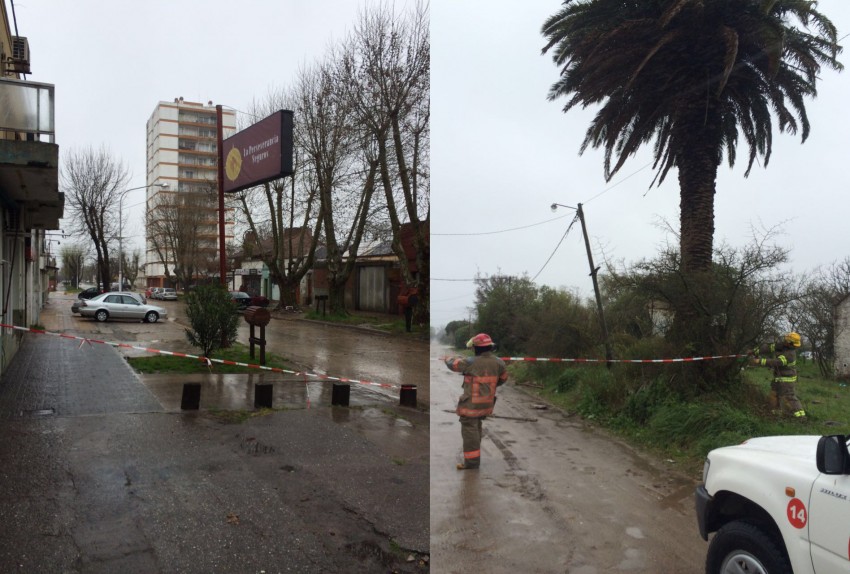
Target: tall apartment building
<point>182,226</point>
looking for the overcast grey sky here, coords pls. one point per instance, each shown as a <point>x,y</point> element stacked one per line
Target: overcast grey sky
<point>113,61</point>
<point>502,154</point>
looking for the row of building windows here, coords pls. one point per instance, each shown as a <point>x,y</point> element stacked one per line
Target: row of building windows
<point>185,117</point>
<point>204,161</point>
<point>191,145</point>
<point>196,132</point>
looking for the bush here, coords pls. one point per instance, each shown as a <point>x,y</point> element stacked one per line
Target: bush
<point>601,394</point>
<point>642,404</point>
<point>213,318</point>
<point>462,335</point>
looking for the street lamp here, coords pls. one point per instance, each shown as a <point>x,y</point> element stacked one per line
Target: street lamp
<point>593,269</point>
<point>120,229</point>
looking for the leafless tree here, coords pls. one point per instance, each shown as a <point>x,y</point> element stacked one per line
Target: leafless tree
<point>93,181</point>
<point>73,257</point>
<point>283,216</point>
<point>813,315</point>
<point>131,265</point>
<point>181,230</point>
<point>343,168</point>
<point>387,75</point>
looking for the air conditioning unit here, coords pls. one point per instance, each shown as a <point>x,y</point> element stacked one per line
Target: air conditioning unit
<point>20,60</point>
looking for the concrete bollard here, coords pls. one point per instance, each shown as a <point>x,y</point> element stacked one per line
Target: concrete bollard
<point>340,394</point>
<point>191,400</point>
<point>263,395</point>
<point>407,396</point>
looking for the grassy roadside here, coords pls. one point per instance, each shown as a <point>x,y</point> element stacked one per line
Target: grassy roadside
<point>385,323</point>
<point>158,364</point>
<point>645,415</point>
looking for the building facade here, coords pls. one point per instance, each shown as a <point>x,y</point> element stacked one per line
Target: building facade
<point>182,201</point>
<point>30,201</point>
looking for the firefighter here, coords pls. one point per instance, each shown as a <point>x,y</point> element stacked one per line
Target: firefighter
<point>481,375</point>
<point>408,299</point>
<point>783,363</point>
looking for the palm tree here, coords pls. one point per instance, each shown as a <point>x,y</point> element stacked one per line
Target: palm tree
<point>691,75</point>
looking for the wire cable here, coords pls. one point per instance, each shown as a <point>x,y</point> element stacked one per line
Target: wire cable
<point>501,231</point>
<point>462,280</point>
<point>607,189</point>
<point>575,218</point>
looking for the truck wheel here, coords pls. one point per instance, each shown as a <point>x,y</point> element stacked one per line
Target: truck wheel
<point>739,547</point>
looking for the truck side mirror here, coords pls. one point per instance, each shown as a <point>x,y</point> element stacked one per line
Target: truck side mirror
<point>832,455</point>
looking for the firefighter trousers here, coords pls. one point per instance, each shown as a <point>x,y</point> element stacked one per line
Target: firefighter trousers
<point>785,397</point>
<point>470,431</point>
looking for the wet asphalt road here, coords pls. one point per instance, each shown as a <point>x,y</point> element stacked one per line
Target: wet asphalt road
<point>100,472</point>
<point>353,353</point>
<point>553,495</point>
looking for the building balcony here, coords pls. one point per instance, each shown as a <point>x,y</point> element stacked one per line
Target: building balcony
<point>29,159</point>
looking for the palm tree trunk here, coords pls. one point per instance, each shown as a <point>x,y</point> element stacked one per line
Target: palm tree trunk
<point>697,164</point>
<point>697,184</point>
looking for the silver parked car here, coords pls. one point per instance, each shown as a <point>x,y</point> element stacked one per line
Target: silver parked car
<point>121,306</point>
<point>167,294</point>
<point>75,306</point>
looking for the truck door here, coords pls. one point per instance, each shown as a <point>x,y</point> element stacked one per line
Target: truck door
<point>829,523</point>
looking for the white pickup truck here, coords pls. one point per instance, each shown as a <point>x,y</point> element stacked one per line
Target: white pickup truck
<point>778,505</point>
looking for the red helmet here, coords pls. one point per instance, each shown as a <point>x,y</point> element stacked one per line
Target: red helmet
<point>480,340</point>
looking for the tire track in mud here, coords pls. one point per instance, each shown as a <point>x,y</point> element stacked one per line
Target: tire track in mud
<point>529,485</point>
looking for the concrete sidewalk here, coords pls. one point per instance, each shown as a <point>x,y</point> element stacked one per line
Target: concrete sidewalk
<point>99,472</point>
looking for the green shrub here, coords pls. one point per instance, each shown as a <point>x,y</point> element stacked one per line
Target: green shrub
<point>567,380</point>
<point>642,404</point>
<point>462,335</point>
<point>213,318</point>
<point>601,394</point>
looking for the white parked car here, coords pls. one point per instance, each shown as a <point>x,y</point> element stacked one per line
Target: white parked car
<point>121,306</point>
<point>778,505</point>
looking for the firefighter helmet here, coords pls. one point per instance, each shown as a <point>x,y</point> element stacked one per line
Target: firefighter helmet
<point>793,338</point>
<point>480,340</point>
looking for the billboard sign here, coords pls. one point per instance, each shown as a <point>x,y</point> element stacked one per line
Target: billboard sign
<point>259,153</point>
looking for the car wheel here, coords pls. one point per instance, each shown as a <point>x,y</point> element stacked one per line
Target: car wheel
<point>102,315</point>
<point>152,317</point>
<point>742,547</point>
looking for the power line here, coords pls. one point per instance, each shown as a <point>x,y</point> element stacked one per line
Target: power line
<point>467,280</point>
<point>452,298</point>
<point>607,189</point>
<point>575,218</point>
<point>501,231</point>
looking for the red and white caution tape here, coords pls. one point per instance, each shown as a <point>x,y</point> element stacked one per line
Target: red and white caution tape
<point>679,360</point>
<point>207,360</point>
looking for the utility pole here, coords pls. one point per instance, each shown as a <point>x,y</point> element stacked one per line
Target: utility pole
<point>593,270</point>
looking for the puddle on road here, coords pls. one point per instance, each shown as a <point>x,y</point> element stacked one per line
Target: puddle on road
<point>237,391</point>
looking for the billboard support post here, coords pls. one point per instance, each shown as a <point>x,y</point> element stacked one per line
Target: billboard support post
<point>222,268</point>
